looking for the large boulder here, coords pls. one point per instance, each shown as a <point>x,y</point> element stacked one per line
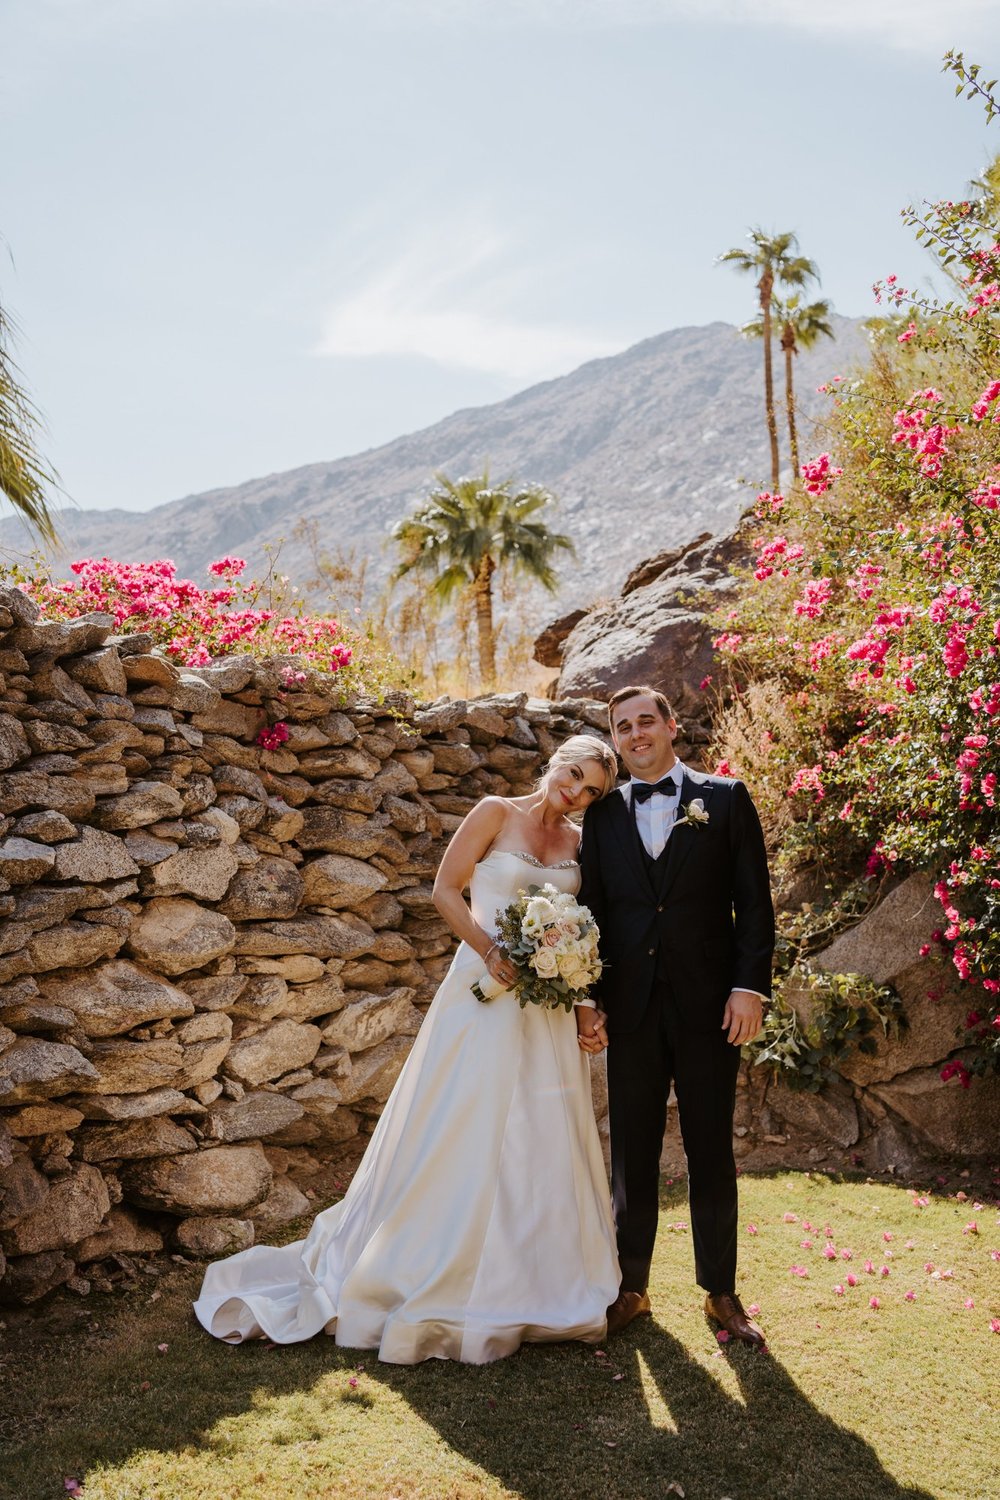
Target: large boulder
<point>122,1233</point>
<point>656,632</point>
<point>220,1180</point>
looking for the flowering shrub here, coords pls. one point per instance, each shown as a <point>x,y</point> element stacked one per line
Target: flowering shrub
<point>872,615</point>
<point>197,625</point>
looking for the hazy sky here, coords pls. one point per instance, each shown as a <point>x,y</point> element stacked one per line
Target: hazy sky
<point>248,235</point>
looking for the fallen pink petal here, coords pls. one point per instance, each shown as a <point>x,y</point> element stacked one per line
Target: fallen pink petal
<point>791,1218</point>
<point>752,1229</point>
<point>852,1280</point>
<point>909,1296</point>
<point>969,1303</point>
<point>838,1290</point>
<point>722,1336</point>
<point>874,1302</point>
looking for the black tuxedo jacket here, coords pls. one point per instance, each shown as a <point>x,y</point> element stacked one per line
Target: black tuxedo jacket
<point>702,923</point>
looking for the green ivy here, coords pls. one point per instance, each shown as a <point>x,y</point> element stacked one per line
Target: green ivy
<point>847,1013</point>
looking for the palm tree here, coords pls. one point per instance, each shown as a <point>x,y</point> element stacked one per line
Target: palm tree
<point>772,258</point>
<point>465,531</point>
<point>802,325</point>
<point>24,475</point>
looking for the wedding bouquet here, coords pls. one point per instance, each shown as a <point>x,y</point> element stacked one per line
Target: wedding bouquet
<point>552,942</point>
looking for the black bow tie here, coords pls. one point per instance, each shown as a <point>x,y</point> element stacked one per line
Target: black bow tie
<point>643,790</point>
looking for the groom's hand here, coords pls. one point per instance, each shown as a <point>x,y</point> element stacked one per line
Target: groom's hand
<point>590,1032</point>
<point>742,1017</point>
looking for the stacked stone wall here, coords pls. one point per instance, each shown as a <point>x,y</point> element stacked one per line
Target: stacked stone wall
<point>214,956</point>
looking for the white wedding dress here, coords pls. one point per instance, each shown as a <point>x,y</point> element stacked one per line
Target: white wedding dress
<point>480,1216</point>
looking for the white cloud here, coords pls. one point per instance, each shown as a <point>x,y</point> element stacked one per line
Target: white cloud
<point>452,297</point>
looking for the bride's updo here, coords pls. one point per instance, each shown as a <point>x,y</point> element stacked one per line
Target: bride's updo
<point>580,747</point>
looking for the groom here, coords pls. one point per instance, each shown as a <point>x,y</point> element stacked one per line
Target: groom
<point>675,873</point>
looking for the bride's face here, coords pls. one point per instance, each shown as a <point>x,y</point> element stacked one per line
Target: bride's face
<point>574,787</point>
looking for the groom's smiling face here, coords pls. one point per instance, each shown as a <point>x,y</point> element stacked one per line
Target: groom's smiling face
<point>643,737</point>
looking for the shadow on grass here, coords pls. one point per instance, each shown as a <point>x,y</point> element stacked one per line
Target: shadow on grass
<point>772,1444</point>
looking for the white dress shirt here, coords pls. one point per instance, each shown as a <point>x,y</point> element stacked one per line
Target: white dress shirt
<point>655,817</point>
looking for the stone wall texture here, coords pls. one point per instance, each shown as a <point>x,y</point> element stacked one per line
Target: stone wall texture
<point>214,957</point>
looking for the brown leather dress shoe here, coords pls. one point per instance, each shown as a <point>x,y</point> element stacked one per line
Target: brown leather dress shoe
<point>726,1309</point>
<point>625,1307</point>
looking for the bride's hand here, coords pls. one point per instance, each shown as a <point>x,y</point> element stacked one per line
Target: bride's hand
<point>500,968</point>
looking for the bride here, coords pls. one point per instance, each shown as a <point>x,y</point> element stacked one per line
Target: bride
<point>479,1217</point>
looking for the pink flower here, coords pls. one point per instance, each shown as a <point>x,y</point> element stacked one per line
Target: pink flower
<point>798,1271</point>
<point>790,1218</point>
<point>969,1303</point>
<point>753,1309</point>
<point>271,739</point>
<point>722,1336</point>
<point>874,1302</point>
<point>888,1236</point>
<point>232,565</point>
<point>829,1252</point>
<point>883,1271</point>
<point>909,1296</point>
<point>870,1267</point>
<point>847,1254</point>
<point>852,1280</point>
<point>838,1290</point>
<point>805,1244</point>
<point>752,1229</point>
<point>995,1325</point>
<point>929,1266</point>
<point>971,1228</point>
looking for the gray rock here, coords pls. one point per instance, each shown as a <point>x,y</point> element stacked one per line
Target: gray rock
<point>22,861</point>
<point>370,1019</point>
<point>320,998</point>
<point>202,873</point>
<point>215,992</point>
<point>156,1136</point>
<point>111,998</point>
<point>192,696</point>
<point>23,1191</point>
<point>658,631</point>
<point>273,888</point>
<point>146,849</point>
<point>175,935</point>
<point>337,832</point>
<point>254,1117</point>
<point>73,945</point>
<point>42,1119</point>
<point>94,856</point>
<point>283,1203</point>
<point>264,996</point>
<point>321,937</point>
<point>22,790</point>
<point>829,1116</point>
<point>207,1238</point>
<point>41,1070</point>
<point>230,675</point>
<point>31,1277</point>
<point>220,1180</point>
<point>268,1054</point>
<point>157,1101</point>
<point>74,1207</point>
<point>101,670</point>
<point>374,1072</point>
<point>22,607</point>
<point>145,802</point>
<point>945,1119</point>
<point>206,1040</point>
<point>14,745</point>
<point>338,881</point>
<point>147,668</point>
<point>296,968</point>
<point>122,1233</point>
<point>127,1067</point>
<point>45,827</point>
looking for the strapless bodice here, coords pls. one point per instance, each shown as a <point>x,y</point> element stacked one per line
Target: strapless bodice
<point>499,876</point>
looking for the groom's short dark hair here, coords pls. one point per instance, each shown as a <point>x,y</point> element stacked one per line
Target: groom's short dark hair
<point>643,690</point>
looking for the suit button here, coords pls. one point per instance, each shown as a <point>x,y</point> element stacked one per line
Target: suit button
<point>651,952</point>
<point>659,908</point>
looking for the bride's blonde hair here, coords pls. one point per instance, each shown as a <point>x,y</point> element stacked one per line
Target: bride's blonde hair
<point>584,747</point>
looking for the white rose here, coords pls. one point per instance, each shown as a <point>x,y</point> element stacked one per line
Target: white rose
<point>545,963</point>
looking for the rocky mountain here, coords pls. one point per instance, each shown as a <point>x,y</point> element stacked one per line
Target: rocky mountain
<point>646,450</point>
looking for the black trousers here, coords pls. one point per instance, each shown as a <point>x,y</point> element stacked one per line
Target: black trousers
<point>702,1066</point>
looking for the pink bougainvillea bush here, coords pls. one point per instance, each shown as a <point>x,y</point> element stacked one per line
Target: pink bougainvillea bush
<point>871,617</point>
<point>196,625</point>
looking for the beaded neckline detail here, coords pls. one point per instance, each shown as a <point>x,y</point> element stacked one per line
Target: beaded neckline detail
<point>563,864</point>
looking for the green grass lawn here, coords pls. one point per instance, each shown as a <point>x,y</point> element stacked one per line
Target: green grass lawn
<point>851,1403</point>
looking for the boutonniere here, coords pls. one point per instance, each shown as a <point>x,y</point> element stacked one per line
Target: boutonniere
<point>694,812</point>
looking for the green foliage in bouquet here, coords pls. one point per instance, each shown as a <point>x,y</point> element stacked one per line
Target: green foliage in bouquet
<point>552,942</point>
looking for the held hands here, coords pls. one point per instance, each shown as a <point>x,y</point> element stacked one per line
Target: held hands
<point>742,1017</point>
<point>590,1032</point>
